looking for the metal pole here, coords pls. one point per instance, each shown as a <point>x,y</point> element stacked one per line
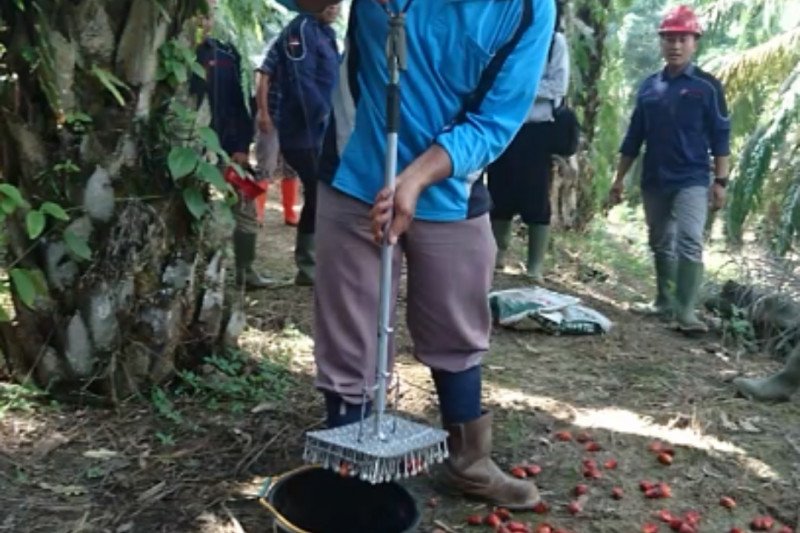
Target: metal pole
<point>395,52</point>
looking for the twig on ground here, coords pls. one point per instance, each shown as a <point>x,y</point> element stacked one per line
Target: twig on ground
<point>237,526</point>
<point>442,525</point>
<point>251,457</point>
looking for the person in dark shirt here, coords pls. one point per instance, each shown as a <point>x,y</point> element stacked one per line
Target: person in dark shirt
<point>305,72</point>
<point>681,116</point>
<point>271,164</point>
<point>232,120</point>
<point>519,180</point>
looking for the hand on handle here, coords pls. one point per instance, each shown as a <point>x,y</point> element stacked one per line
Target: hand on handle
<point>395,211</point>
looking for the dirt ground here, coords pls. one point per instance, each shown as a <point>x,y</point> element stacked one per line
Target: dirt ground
<point>188,464</point>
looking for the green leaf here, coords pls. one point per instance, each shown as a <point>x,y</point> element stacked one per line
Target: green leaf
<point>198,69</point>
<point>8,205</point>
<point>211,174</point>
<point>194,201</point>
<point>4,315</point>
<point>24,286</point>
<point>77,245</point>
<point>180,73</point>
<point>39,281</point>
<point>210,140</point>
<point>13,194</point>
<point>34,222</point>
<point>110,82</point>
<point>182,161</point>
<point>54,210</point>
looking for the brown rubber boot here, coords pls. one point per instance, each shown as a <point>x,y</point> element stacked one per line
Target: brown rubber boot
<point>471,471</point>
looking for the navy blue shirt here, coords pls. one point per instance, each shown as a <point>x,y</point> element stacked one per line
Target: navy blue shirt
<point>681,119</point>
<point>307,70</point>
<point>231,118</point>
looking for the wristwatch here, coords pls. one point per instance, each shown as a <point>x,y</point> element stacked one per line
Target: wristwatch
<point>722,182</point>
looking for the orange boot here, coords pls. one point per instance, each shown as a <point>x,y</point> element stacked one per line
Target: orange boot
<point>290,189</point>
<point>261,202</point>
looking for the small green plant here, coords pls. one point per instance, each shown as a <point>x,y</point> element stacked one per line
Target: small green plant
<point>94,472</point>
<point>164,406</point>
<point>177,63</point>
<point>77,122</point>
<point>738,330</point>
<point>165,438</point>
<point>234,380</point>
<point>18,397</point>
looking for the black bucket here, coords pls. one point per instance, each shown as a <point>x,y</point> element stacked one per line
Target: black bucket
<point>316,500</point>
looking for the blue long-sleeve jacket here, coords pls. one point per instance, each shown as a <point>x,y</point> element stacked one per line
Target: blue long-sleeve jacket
<point>450,43</point>
<point>681,119</point>
<point>231,118</point>
<point>307,69</point>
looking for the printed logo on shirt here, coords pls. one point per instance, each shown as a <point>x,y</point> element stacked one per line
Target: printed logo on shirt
<point>691,93</point>
<point>294,47</point>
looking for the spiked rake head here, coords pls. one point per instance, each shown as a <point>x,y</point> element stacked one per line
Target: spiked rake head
<point>399,450</point>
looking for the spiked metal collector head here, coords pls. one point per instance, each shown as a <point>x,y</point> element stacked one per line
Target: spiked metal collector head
<point>399,450</point>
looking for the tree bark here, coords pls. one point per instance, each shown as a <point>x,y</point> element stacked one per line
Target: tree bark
<point>572,193</point>
<point>116,323</point>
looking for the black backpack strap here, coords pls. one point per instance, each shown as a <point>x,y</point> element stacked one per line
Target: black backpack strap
<point>352,56</point>
<point>491,71</point>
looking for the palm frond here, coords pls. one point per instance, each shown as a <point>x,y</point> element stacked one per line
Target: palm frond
<point>769,62</point>
<point>760,149</point>
<point>718,15</point>
<point>789,225</point>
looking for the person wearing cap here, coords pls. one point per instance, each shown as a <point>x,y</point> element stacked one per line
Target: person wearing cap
<point>682,117</point>
<point>306,68</point>
<point>271,164</point>
<point>459,109</point>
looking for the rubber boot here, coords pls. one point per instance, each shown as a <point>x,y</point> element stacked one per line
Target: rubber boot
<point>538,236</point>
<point>341,413</point>
<point>776,388</point>
<point>244,251</point>
<point>290,190</point>
<point>689,279</point>
<point>664,304</point>
<point>502,236</point>
<point>471,471</point>
<point>304,259</point>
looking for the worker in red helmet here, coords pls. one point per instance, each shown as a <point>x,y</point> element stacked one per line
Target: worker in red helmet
<point>682,117</point>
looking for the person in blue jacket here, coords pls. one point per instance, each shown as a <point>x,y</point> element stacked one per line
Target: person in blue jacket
<point>232,120</point>
<point>305,67</point>
<point>682,117</point>
<point>463,97</point>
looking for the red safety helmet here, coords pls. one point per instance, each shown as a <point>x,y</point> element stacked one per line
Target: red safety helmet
<point>680,20</point>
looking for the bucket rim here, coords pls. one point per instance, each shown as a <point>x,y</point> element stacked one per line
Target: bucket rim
<point>267,489</point>
<point>271,483</point>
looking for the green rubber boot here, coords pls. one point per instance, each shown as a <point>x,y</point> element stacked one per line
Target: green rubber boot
<point>244,251</point>
<point>538,236</point>
<point>664,304</point>
<point>689,279</point>
<point>776,388</point>
<point>304,258</point>
<point>502,236</point>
